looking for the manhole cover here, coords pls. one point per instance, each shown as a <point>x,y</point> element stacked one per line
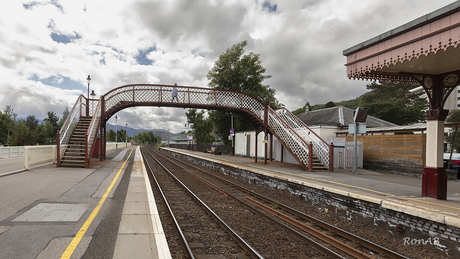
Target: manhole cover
<point>54,212</point>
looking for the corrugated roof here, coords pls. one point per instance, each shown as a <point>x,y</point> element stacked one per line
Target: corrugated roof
<point>338,116</point>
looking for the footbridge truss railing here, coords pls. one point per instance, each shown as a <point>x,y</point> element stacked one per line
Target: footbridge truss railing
<point>320,147</point>
<point>91,133</point>
<point>291,132</point>
<point>295,136</point>
<point>187,97</point>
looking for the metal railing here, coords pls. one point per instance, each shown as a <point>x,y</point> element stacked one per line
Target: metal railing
<point>91,133</point>
<point>64,134</point>
<point>286,126</point>
<point>79,109</point>
<point>320,148</point>
<point>298,146</point>
<point>139,94</point>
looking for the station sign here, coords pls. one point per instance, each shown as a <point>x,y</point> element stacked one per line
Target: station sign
<point>361,128</point>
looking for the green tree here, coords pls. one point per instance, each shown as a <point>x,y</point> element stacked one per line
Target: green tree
<point>7,125</point>
<point>32,122</point>
<point>394,102</point>
<point>50,134</point>
<point>330,104</point>
<point>65,114</point>
<point>40,135</point>
<point>10,113</point>
<point>21,134</point>
<point>201,126</point>
<point>242,73</point>
<point>143,138</point>
<point>152,137</point>
<point>53,120</point>
<point>111,135</point>
<point>121,135</point>
<point>303,109</point>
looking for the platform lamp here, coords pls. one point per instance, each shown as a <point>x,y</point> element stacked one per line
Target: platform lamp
<point>87,100</point>
<point>89,80</point>
<point>116,132</point>
<point>126,134</point>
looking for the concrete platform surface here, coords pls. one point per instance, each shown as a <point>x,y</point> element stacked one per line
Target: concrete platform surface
<point>104,211</point>
<point>397,192</point>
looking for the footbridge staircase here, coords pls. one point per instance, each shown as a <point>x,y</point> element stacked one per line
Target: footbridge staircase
<point>303,144</point>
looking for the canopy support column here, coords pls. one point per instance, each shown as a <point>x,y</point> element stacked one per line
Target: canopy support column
<point>437,88</point>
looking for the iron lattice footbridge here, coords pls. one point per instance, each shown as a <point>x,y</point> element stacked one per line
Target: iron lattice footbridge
<point>76,139</point>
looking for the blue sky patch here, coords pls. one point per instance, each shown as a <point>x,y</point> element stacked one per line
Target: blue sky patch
<point>61,82</point>
<point>270,8</point>
<point>64,38</point>
<point>142,57</point>
<point>29,5</point>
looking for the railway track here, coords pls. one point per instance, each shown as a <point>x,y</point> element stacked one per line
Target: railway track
<point>277,230</point>
<point>200,231</point>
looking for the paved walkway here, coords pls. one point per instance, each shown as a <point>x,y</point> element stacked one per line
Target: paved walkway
<point>11,165</point>
<point>100,212</point>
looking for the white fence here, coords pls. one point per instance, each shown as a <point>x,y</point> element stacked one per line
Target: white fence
<point>343,157</point>
<point>10,152</point>
<point>34,155</point>
<point>113,145</point>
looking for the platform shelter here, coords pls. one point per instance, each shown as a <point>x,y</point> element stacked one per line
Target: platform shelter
<point>425,51</point>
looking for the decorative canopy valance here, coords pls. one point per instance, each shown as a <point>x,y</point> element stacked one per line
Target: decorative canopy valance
<point>426,46</point>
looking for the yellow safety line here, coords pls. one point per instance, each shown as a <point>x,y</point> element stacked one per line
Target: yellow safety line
<point>13,172</point>
<point>347,185</point>
<point>73,245</point>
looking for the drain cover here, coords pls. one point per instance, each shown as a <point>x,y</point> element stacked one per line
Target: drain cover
<point>53,212</point>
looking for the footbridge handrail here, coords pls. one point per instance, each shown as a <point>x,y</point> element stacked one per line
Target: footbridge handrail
<point>320,147</point>
<point>295,144</point>
<point>63,135</point>
<point>186,96</point>
<point>91,134</point>
<point>299,140</point>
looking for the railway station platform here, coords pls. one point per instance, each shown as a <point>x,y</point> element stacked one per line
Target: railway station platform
<point>105,211</point>
<point>396,192</point>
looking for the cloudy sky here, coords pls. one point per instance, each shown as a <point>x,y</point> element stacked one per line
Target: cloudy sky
<point>48,48</point>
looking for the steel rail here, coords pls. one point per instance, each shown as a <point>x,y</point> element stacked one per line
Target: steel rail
<point>352,237</point>
<point>316,233</point>
<point>319,247</point>
<point>252,252</point>
<point>176,224</point>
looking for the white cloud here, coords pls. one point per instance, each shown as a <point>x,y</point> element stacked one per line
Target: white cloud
<point>300,45</point>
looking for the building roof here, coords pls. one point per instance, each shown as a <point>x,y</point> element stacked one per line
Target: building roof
<point>338,116</point>
<point>423,20</point>
<point>425,46</point>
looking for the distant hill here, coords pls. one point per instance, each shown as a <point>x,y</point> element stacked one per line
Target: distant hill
<point>156,132</point>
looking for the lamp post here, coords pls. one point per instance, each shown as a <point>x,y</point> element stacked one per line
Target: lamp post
<point>87,100</point>
<point>116,132</point>
<point>89,80</point>
<point>126,134</point>
<point>232,129</point>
